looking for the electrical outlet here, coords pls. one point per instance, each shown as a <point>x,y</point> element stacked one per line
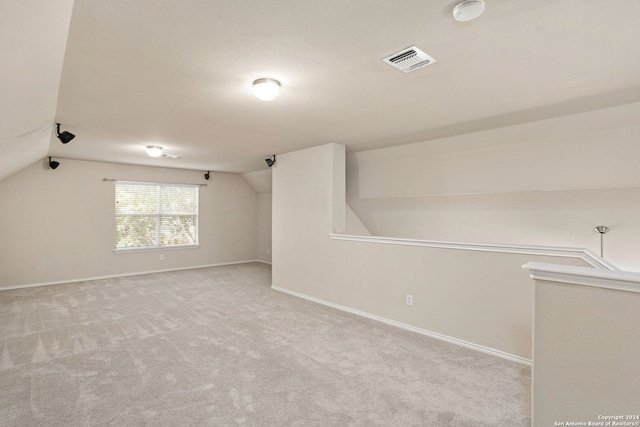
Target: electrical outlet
<point>161,257</point>
<point>409,300</point>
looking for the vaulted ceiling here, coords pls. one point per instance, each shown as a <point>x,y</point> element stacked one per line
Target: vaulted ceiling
<point>124,74</point>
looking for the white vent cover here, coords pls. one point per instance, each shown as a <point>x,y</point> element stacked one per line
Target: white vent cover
<point>409,59</point>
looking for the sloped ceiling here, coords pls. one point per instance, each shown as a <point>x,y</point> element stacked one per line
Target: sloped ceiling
<point>259,180</point>
<point>178,74</point>
<point>33,35</point>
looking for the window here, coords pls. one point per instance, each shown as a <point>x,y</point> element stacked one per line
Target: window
<point>150,215</point>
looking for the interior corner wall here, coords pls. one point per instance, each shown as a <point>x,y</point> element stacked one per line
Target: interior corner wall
<point>264,227</point>
<point>455,292</point>
<point>354,224</point>
<point>303,210</point>
<point>58,225</point>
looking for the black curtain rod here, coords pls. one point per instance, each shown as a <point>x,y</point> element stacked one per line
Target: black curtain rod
<point>151,182</point>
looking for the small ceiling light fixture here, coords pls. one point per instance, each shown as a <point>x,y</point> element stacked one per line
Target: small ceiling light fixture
<point>468,10</point>
<point>154,150</point>
<point>266,89</point>
<point>207,176</point>
<point>271,162</point>
<point>65,136</point>
<point>53,164</point>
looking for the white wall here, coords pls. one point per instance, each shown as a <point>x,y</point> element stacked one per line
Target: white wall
<point>58,225</point>
<point>587,341</point>
<point>479,297</point>
<point>557,218</point>
<point>447,190</point>
<point>260,181</point>
<point>572,152</point>
<point>33,38</point>
<point>264,227</point>
<point>2,227</point>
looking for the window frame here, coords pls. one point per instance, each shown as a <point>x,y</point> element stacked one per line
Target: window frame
<point>158,215</point>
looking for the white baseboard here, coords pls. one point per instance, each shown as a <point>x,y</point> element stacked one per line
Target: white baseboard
<point>137,273</point>
<point>483,349</point>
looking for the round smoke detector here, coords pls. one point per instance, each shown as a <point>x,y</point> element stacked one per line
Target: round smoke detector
<point>468,10</point>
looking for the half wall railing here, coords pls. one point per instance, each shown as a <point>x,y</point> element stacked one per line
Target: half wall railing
<point>586,336</point>
<point>565,252</point>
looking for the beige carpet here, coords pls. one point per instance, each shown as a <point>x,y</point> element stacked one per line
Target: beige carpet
<point>218,347</point>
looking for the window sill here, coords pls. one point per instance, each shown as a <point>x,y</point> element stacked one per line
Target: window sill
<point>154,249</point>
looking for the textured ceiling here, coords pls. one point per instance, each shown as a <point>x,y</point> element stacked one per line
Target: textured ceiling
<point>178,74</point>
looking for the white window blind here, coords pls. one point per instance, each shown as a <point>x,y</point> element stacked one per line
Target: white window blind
<point>150,215</point>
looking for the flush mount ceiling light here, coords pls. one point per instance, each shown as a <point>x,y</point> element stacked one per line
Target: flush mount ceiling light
<point>468,10</point>
<point>154,150</point>
<point>266,89</point>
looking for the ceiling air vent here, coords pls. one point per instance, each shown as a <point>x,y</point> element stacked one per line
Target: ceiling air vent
<point>409,59</point>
